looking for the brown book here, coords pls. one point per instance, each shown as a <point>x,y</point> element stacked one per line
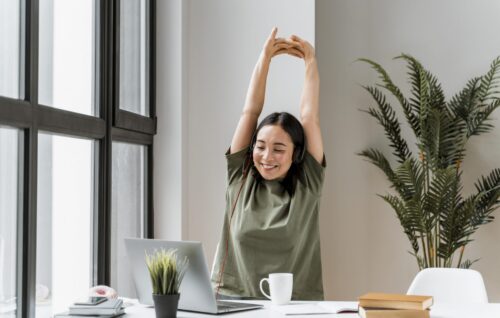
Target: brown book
<point>395,301</point>
<point>392,313</point>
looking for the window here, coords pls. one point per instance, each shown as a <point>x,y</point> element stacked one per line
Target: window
<point>10,157</point>
<point>67,55</point>
<point>65,210</point>
<point>133,57</point>
<point>10,18</point>
<point>129,193</point>
<point>76,167</point>
<point>135,67</point>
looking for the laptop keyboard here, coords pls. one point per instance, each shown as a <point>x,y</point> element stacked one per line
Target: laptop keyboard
<point>228,305</point>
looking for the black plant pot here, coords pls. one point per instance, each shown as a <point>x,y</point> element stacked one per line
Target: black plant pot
<point>166,305</point>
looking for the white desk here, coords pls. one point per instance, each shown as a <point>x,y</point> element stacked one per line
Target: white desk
<point>491,310</point>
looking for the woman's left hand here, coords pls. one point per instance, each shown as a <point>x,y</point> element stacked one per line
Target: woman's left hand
<point>307,50</point>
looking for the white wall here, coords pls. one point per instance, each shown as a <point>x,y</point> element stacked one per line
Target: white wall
<point>206,52</point>
<point>363,245</point>
<point>169,150</point>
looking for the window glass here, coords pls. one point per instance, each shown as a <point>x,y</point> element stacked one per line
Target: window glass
<point>66,55</point>
<point>127,209</point>
<point>133,57</point>
<point>64,222</point>
<point>10,206</point>
<point>10,45</point>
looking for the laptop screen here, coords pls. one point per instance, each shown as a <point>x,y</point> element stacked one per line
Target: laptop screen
<point>196,290</point>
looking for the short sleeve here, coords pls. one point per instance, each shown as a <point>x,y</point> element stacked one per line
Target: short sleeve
<point>235,163</point>
<point>313,173</point>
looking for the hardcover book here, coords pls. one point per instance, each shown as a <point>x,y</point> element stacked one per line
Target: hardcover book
<point>395,301</point>
<point>392,313</point>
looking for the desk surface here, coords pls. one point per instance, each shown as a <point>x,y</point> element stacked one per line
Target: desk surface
<point>491,310</point>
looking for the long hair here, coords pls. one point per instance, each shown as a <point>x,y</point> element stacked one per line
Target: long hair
<point>294,129</point>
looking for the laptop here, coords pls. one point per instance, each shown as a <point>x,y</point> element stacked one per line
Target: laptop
<point>196,290</point>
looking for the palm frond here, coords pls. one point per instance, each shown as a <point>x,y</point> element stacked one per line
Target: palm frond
<point>420,260</point>
<point>446,138</point>
<point>406,219</point>
<point>437,99</point>
<point>490,82</point>
<point>487,198</point>
<point>409,179</point>
<point>462,104</point>
<point>455,230</point>
<point>439,197</point>
<point>479,120</point>
<point>386,116</point>
<point>467,263</point>
<point>396,92</point>
<point>477,101</point>
<point>420,87</point>
<point>378,159</point>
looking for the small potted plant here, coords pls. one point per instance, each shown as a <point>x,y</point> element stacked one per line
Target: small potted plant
<point>166,272</point>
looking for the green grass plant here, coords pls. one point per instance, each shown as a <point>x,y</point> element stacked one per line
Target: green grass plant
<point>166,271</point>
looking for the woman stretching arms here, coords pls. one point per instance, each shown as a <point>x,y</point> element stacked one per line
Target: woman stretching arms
<point>275,178</point>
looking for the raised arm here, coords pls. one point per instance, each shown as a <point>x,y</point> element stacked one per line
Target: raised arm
<point>257,89</point>
<point>309,102</point>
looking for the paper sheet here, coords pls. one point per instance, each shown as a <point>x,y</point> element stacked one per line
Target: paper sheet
<point>301,309</point>
<point>339,306</point>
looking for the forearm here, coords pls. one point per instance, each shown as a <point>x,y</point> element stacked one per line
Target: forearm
<point>257,88</point>
<point>253,105</point>
<point>309,103</point>
<point>309,111</point>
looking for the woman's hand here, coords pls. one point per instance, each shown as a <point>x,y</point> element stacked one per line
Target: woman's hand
<point>275,46</point>
<point>304,47</point>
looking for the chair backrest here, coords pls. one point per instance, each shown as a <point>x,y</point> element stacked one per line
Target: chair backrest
<point>450,285</point>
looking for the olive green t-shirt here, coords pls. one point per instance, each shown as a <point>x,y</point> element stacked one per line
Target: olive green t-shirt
<point>271,232</point>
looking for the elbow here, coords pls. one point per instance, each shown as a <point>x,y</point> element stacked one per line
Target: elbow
<point>309,119</point>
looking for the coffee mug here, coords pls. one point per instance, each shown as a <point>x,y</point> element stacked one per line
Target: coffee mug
<point>280,287</point>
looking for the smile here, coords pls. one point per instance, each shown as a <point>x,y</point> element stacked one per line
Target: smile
<point>267,166</point>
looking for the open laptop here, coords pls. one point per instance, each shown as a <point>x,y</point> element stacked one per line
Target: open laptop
<point>196,290</point>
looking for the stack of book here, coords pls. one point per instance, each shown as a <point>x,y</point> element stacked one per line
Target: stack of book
<point>108,309</point>
<point>381,305</point>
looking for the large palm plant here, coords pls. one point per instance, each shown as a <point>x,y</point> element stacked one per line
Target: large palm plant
<point>436,217</point>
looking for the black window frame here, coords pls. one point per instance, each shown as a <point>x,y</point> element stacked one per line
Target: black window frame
<point>111,124</point>
<point>122,118</point>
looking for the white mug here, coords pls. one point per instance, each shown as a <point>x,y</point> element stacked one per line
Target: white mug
<point>280,287</point>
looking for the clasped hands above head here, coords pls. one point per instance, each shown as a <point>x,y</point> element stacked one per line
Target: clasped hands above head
<point>293,45</point>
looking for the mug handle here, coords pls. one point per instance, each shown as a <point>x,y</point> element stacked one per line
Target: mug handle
<point>262,290</point>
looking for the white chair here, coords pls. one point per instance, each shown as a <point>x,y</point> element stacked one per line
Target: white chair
<point>450,285</point>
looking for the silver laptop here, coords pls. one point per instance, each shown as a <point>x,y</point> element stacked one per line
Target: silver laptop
<point>196,290</point>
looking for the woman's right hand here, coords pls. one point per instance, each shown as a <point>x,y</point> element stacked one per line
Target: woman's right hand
<point>275,46</point>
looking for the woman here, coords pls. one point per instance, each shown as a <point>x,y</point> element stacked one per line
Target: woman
<point>275,180</point>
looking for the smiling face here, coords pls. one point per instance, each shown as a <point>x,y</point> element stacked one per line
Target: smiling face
<point>273,152</point>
